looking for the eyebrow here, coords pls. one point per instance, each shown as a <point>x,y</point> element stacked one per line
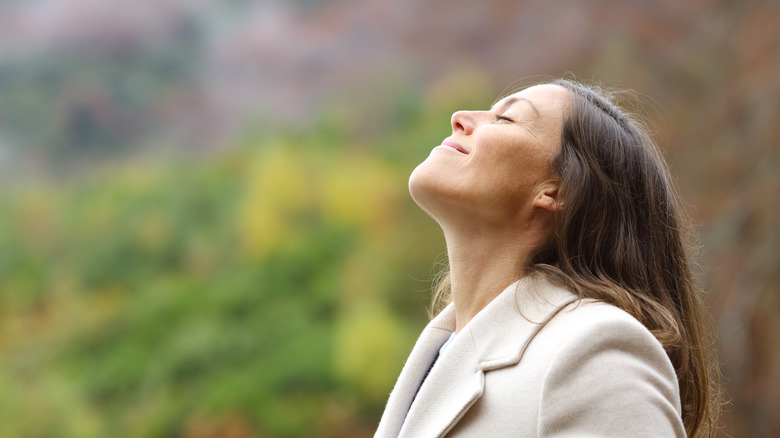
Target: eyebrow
<point>508,102</point>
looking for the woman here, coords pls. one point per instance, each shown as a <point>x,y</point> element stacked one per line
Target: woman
<point>573,308</point>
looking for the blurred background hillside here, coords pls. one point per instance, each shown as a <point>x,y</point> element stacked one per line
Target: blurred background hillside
<point>205,229</point>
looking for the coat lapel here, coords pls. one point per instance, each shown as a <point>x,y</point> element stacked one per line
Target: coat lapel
<point>423,354</point>
<point>454,383</point>
<point>495,338</point>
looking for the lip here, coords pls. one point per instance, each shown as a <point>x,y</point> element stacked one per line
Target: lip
<point>454,145</point>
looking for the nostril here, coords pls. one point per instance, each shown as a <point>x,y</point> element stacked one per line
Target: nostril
<point>457,124</point>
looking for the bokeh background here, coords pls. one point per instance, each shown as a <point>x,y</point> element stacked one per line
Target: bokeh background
<point>204,223</point>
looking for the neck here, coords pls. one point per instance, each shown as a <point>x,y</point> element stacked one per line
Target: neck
<point>483,265</point>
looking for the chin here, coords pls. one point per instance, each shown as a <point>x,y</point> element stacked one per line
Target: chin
<point>428,189</point>
<point>419,185</point>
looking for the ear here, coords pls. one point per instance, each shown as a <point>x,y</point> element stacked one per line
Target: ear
<point>546,197</point>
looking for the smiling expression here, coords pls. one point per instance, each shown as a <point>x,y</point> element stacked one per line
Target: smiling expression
<point>491,165</point>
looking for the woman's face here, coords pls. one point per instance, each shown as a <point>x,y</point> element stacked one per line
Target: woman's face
<point>495,162</point>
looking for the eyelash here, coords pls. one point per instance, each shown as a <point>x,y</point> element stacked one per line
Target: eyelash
<point>500,118</point>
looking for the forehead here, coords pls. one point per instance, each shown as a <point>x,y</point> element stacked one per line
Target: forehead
<point>548,99</point>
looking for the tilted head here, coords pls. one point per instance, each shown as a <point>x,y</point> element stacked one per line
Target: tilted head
<point>616,226</point>
<point>496,163</point>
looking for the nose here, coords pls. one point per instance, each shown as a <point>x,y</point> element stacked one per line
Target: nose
<point>463,121</point>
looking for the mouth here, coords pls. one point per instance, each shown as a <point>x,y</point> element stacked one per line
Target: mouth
<point>454,145</point>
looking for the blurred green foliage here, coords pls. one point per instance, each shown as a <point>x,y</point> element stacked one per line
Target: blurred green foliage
<point>265,291</point>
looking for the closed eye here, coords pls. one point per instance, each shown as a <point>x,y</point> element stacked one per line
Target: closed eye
<point>502,118</point>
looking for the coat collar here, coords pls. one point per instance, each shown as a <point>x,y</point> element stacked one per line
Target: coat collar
<point>495,338</point>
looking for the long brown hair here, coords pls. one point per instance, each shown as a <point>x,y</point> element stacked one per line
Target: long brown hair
<point>620,238</point>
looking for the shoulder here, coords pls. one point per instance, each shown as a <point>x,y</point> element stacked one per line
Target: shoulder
<point>591,327</point>
<point>588,322</point>
<point>607,374</point>
<point>590,331</point>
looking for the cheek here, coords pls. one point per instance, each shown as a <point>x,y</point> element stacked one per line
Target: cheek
<point>499,161</point>
<point>512,170</point>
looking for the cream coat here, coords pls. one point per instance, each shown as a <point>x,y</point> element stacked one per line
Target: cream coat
<point>562,368</point>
